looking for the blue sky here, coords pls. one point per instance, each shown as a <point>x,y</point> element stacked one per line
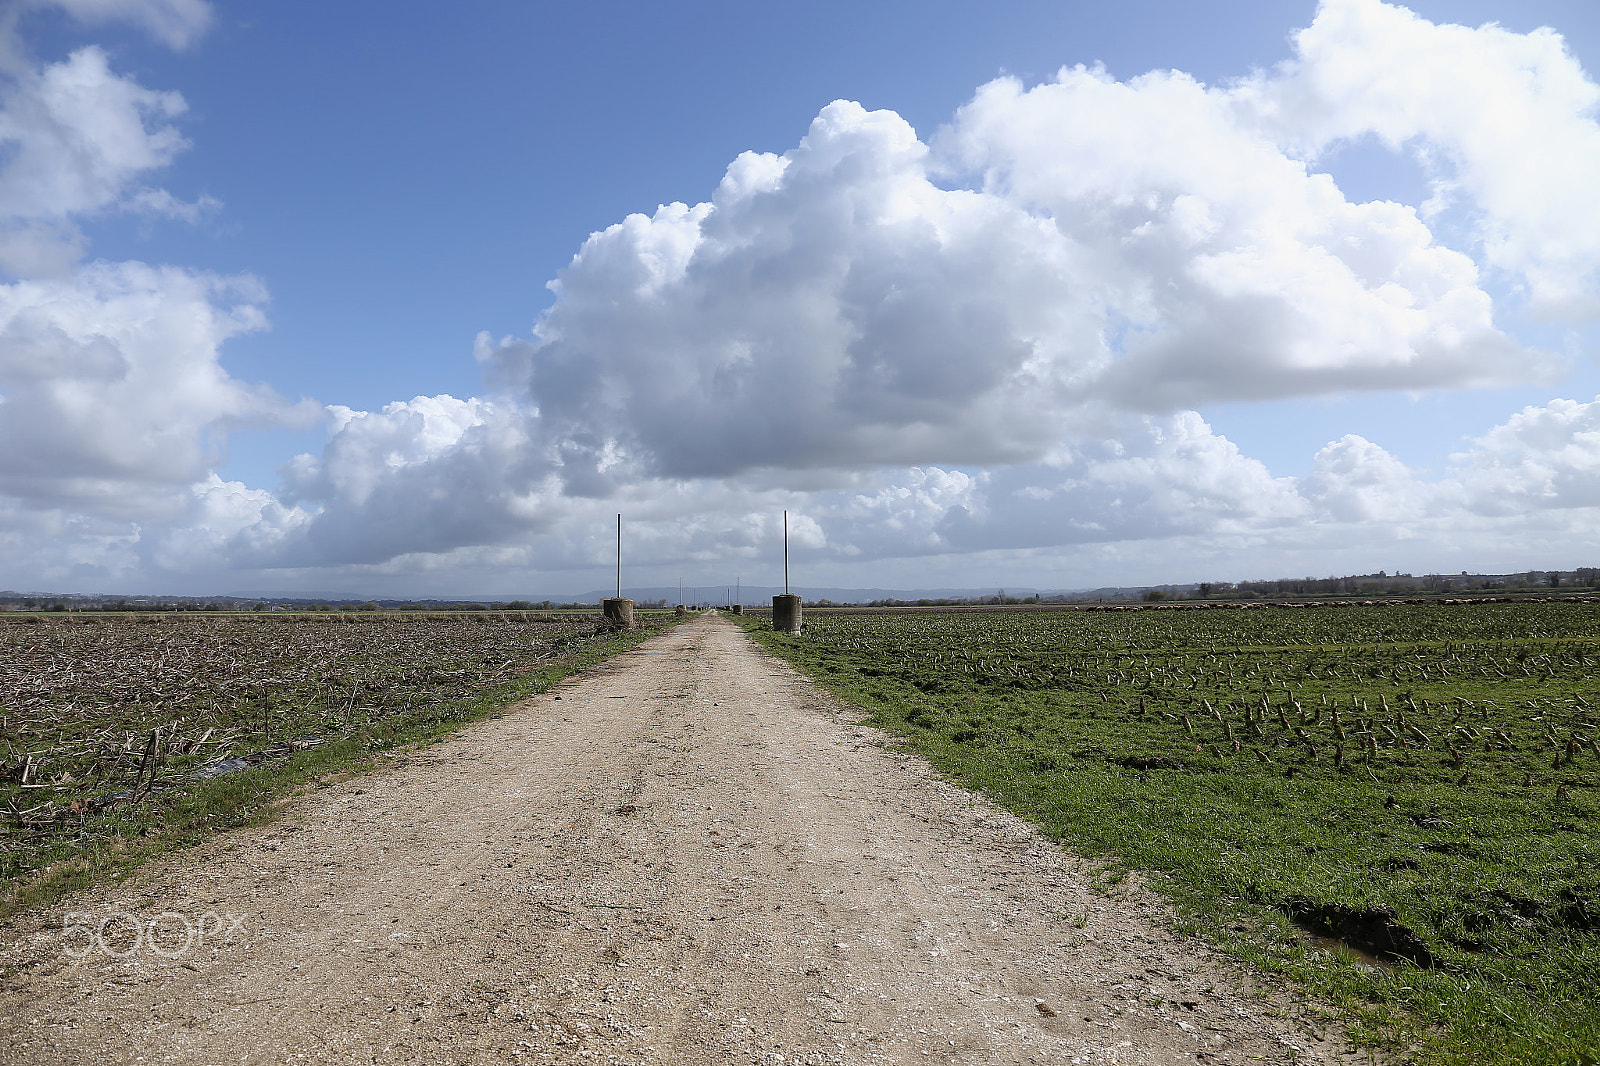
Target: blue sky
<point>395,180</point>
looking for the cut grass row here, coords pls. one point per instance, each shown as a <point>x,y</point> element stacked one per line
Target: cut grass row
<point>363,688</point>
<point>1420,783</point>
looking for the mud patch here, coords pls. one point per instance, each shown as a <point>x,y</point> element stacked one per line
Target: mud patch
<point>1375,931</point>
<point>1154,762</point>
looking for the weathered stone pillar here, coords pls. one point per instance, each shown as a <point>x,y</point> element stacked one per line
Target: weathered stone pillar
<point>618,613</point>
<point>738,608</point>
<point>786,614</point>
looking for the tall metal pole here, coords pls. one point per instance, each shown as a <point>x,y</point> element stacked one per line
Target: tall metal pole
<point>736,588</point>
<point>619,557</point>
<point>786,553</point>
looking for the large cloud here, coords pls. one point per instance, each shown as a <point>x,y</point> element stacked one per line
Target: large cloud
<point>832,307</point>
<point>1542,458</point>
<point>112,400</point>
<point>1353,480</point>
<point>1129,245</point>
<point>74,140</point>
<point>1506,122</point>
<point>425,475</point>
<point>1225,268</point>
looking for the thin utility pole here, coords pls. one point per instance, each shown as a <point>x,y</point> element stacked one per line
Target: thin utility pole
<point>737,589</point>
<point>619,557</point>
<point>786,553</point>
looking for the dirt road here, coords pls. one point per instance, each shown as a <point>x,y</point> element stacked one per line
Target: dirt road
<point>688,855</point>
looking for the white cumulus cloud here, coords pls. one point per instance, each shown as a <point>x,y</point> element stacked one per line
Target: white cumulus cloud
<point>426,475</point>
<point>75,138</point>
<point>1354,480</point>
<point>112,399</point>
<point>1542,458</point>
<point>1226,268</point>
<point>1505,121</point>
<point>829,308</point>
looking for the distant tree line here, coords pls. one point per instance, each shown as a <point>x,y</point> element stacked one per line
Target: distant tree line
<point>1383,583</point>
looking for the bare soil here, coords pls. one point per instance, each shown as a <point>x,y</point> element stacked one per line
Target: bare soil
<point>689,854</point>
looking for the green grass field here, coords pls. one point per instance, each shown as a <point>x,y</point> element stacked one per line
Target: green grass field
<point>1394,806</point>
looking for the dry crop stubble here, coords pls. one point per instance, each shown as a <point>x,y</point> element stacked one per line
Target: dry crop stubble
<point>117,729</point>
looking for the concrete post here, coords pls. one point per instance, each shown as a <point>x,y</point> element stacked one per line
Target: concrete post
<point>786,614</point>
<point>738,608</point>
<point>618,613</point>
<point>681,611</point>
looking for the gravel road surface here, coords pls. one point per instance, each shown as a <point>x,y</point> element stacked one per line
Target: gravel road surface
<point>688,855</point>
